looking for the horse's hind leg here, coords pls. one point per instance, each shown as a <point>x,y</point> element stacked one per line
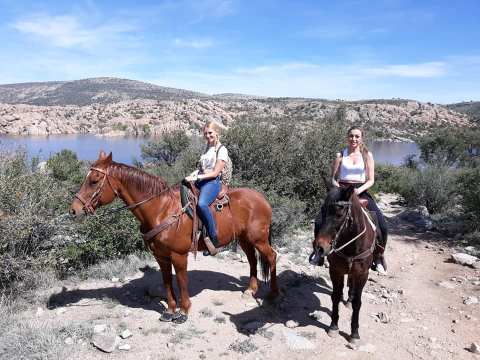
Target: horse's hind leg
<point>337,283</point>
<point>358,282</point>
<point>166,268</point>
<point>249,250</point>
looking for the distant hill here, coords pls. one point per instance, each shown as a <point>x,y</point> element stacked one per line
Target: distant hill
<point>104,90</point>
<point>471,108</point>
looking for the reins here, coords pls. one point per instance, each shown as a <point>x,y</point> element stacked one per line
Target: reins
<point>88,205</point>
<point>337,250</point>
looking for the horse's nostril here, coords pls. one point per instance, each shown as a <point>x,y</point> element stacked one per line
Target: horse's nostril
<point>72,212</point>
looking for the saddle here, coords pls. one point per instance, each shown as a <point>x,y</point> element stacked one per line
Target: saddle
<point>189,194</point>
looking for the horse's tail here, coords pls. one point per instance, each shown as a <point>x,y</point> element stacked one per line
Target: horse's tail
<point>264,264</point>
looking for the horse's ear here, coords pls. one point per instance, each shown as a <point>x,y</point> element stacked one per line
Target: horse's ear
<point>108,159</point>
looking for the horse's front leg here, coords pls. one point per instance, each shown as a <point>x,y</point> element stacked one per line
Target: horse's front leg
<point>180,262</point>
<point>337,293</point>
<point>358,282</point>
<point>166,268</point>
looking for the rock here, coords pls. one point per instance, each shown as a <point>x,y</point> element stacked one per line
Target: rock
<point>126,334</point>
<point>115,279</point>
<point>291,324</point>
<point>39,312</point>
<point>471,250</point>
<point>474,348</point>
<point>383,317</point>
<point>316,315</point>
<point>419,217</point>
<point>100,328</point>
<point>125,347</point>
<point>471,300</point>
<point>464,259</point>
<point>105,342</point>
<point>69,341</point>
<point>296,342</point>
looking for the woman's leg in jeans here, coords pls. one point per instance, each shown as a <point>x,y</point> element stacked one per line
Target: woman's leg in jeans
<point>208,192</point>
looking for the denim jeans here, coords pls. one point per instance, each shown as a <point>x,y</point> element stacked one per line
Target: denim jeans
<point>209,190</point>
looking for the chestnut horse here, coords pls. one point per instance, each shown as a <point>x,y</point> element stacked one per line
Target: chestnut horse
<point>156,205</point>
<point>347,237</point>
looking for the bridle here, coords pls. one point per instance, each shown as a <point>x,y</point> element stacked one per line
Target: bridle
<point>347,219</point>
<point>90,204</point>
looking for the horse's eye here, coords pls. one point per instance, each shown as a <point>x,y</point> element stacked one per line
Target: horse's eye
<point>93,181</point>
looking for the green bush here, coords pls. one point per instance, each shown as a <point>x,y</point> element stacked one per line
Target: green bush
<point>65,166</point>
<point>469,189</point>
<point>166,149</point>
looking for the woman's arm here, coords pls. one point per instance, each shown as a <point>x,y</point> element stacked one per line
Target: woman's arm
<point>370,174</point>
<point>335,166</point>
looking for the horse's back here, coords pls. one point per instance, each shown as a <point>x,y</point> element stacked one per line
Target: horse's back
<point>250,205</point>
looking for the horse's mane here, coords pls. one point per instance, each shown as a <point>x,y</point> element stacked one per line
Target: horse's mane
<point>142,180</point>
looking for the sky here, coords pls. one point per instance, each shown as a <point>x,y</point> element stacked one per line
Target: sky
<point>425,50</point>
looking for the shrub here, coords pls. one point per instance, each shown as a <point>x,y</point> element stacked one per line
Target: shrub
<point>166,149</point>
<point>468,188</point>
<point>65,166</point>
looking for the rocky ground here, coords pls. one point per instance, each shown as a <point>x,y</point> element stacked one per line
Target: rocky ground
<point>425,308</point>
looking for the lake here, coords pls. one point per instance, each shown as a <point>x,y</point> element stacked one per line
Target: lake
<point>126,149</point>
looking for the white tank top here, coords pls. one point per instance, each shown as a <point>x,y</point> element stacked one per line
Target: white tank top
<point>351,172</point>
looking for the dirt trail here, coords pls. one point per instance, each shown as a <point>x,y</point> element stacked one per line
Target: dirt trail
<point>405,315</point>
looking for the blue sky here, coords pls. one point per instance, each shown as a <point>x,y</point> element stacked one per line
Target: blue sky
<point>423,50</point>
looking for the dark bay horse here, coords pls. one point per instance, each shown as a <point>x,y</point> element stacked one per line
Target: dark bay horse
<point>155,204</point>
<point>347,237</point>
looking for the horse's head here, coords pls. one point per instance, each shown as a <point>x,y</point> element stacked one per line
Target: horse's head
<point>337,209</point>
<point>96,189</point>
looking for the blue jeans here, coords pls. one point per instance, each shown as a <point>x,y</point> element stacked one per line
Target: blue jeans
<point>209,190</point>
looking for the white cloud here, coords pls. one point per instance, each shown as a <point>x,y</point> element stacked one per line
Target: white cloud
<point>194,43</point>
<point>422,70</point>
<point>67,31</point>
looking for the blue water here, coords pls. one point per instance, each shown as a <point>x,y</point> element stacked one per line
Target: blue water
<point>126,149</point>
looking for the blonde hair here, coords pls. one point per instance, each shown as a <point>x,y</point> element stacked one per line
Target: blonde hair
<point>212,124</point>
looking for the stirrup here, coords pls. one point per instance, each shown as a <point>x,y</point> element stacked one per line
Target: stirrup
<point>211,248</point>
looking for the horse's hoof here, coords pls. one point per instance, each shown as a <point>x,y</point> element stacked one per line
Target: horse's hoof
<point>348,305</point>
<point>167,316</point>
<point>179,318</point>
<point>354,340</point>
<point>332,333</point>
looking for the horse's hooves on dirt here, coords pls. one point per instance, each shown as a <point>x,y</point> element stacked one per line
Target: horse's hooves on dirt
<point>354,340</point>
<point>332,333</point>
<point>179,318</point>
<point>167,316</point>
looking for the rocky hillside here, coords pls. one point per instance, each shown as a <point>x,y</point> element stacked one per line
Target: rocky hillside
<point>471,108</point>
<point>111,106</point>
